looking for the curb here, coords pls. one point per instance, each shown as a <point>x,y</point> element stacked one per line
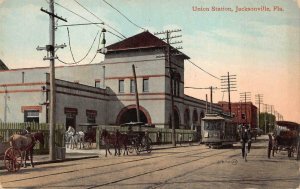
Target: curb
<point>58,161</point>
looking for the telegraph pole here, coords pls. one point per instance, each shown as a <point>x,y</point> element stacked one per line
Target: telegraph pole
<point>259,100</point>
<point>168,49</point>
<point>5,105</point>
<point>228,83</point>
<point>246,96</point>
<point>51,49</point>
<point>136,95</point>
<point>211,88</point>
<point>266,111</point>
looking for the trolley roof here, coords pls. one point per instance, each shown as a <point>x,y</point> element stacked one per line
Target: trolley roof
<point>288,124</point>
<point>141,124</point>
<point>212,117</point>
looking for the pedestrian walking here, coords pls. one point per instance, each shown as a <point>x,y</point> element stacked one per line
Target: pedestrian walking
<point>270,145</point>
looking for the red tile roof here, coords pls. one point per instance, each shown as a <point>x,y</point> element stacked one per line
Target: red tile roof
<point>140,41</point>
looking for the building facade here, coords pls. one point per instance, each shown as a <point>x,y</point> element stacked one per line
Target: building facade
<point>243,113</point>
<point>104,93</point>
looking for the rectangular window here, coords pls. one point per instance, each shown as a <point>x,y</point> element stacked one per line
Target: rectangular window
<point>91,119</point>
<point>121,86</point>
<point>31,116</point>
<point>145,85</point>
<point>132,86</point>
<point>97,83</point>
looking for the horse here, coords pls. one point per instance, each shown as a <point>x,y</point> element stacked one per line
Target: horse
<point>78,137</point>
<point>26,144</point>
<point>74,138</point>
<point>117,140</point>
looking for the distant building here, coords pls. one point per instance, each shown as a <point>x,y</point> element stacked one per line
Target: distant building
<point>3,66</point>
<point>244,113</point>
<point>104,93</point>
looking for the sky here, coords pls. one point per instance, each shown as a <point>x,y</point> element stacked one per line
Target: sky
<point>260,48</point>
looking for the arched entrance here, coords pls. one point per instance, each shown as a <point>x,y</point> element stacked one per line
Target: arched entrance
<point>128,114</point>
<point>195,119</point>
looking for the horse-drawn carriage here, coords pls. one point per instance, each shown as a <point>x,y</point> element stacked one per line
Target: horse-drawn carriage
<point>133,136</point>
<point>13,152</point>
<point>138,140</point>
<point>11,157</point>
<point>89,130</point>
<point>285,138</point>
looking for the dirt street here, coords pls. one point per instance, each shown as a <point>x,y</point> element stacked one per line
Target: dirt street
<point>188,167</point>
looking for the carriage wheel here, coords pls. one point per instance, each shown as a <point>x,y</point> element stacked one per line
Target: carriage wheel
<point>88,143</point>
<point>291,151</point>
<point>12,159</point>
<point>138,149</point>
<point>130,147</point>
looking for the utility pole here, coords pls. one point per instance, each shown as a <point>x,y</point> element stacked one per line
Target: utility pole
<point>266,111</point>
<point>206,104</point>
<point>168,53</point>
<point>272,119</point>
<point>5,105</point>
<point>51,49</point>
<point>228,83</point>
<point>136,95</point>
<point>259,100</point>
<point>246,96</point>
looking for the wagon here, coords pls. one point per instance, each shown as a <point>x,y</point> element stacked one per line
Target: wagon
<point>138,140</point>
<point>89,133</point>
<point>11,157</point>
<point>286,138</point>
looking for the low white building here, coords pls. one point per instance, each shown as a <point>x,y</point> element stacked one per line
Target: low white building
<point>104,93</point>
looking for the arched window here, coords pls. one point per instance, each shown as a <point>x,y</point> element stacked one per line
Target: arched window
<point>176,83</point>
<point>187,118</point>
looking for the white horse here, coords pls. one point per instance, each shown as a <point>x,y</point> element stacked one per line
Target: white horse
<point>74,138</point>
<point>78,137</point>
<point>68,135</point>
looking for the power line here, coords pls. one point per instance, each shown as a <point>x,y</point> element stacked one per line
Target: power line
<point>203,69</point>
<point>72,63</point>
<point>124,16</point>
<point>70,47</point>
<point>99,18</point>
<point>86,19</point>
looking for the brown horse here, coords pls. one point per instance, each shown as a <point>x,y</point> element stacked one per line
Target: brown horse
<point>117,140</point>
<point>26,144</point>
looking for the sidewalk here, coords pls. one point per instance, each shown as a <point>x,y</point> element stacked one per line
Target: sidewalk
<point>79,154</point>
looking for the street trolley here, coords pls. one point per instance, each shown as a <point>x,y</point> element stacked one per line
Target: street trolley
<point>285,138</point>
<point>138,137</point>
<point>11,157</point>
<point>218,130</point>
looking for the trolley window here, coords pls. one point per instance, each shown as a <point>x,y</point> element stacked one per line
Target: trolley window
<point>212,125</point>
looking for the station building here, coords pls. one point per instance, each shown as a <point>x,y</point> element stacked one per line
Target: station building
<point>103,93</point>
